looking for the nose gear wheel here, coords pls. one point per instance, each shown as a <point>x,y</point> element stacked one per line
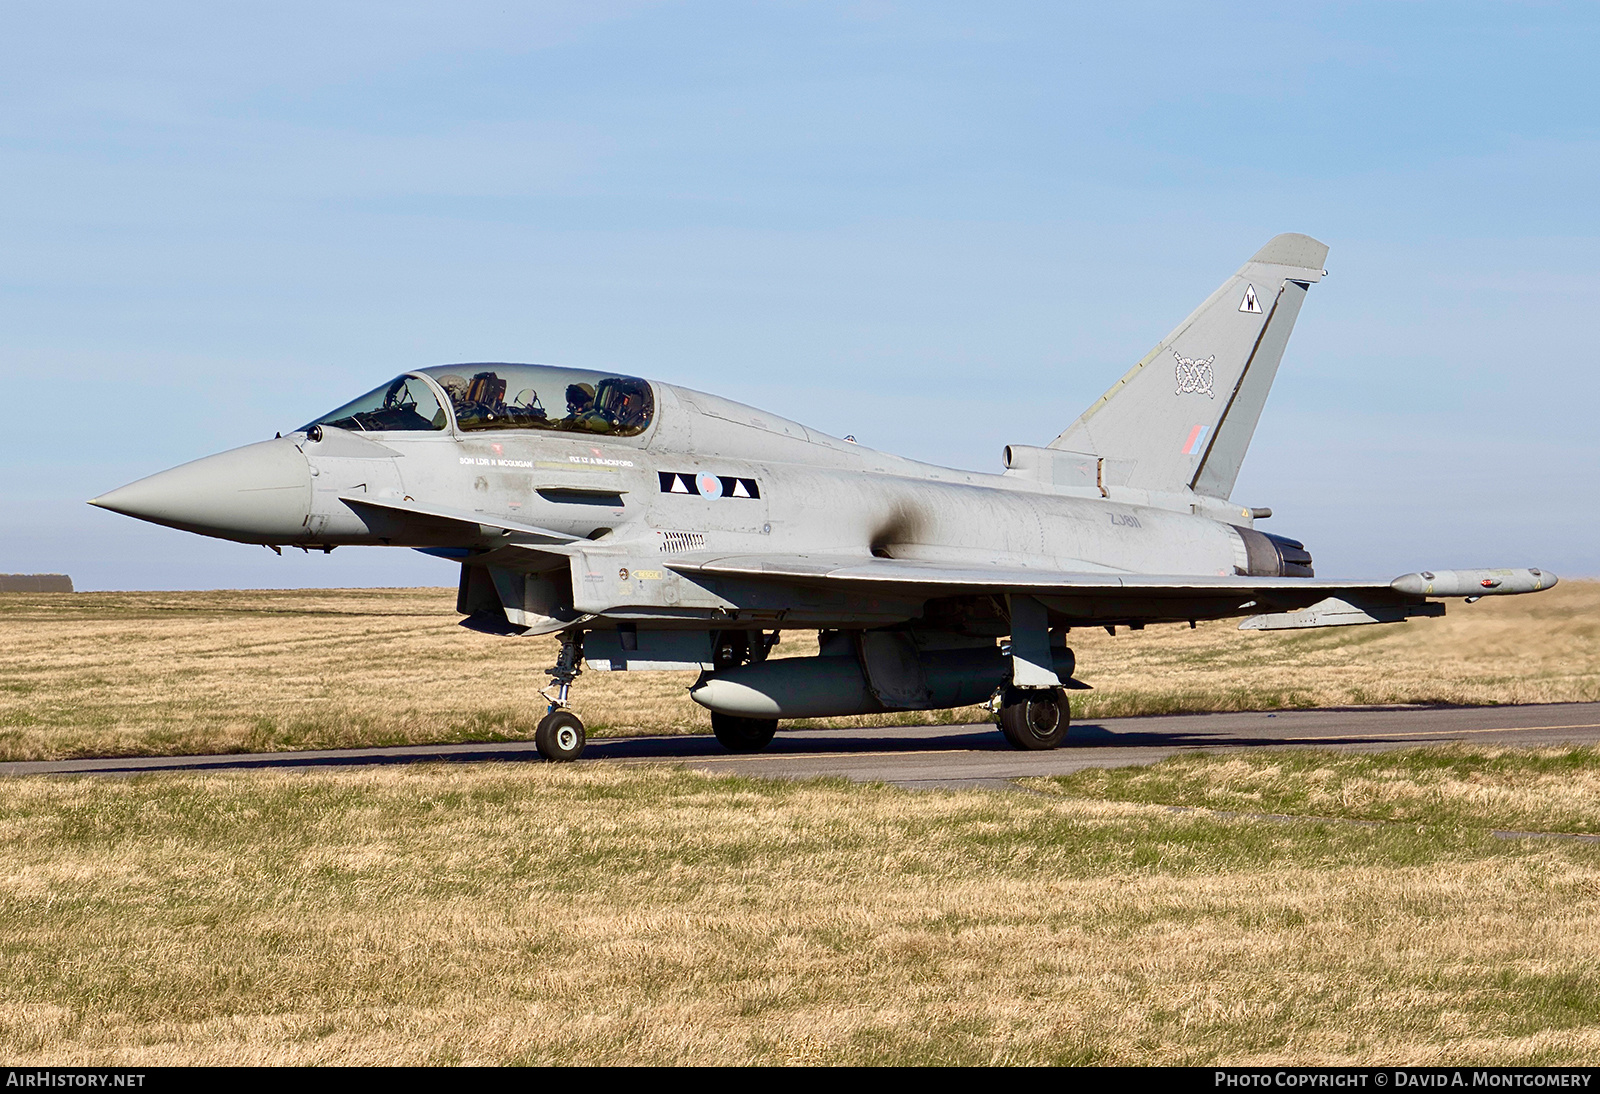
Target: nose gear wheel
<point>560,736</point>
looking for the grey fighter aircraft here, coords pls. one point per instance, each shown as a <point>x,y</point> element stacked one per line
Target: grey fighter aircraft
<point>655,527</point>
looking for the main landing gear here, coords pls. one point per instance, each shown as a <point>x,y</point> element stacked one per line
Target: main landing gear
<point>732,649</point>
<point>1034,718</point>
<point>560,734</point>
<point>743,734</point>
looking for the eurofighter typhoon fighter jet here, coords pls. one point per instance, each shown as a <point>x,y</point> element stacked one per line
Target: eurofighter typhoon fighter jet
<point>654,527</point>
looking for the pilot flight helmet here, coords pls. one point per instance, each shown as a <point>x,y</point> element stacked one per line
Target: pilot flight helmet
<point>580,397</point>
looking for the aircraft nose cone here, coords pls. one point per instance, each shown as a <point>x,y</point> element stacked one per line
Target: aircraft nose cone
<point>257,494</point>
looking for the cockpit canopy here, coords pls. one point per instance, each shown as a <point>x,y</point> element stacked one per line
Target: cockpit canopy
<point>540,397</point>
<point>501,396</point>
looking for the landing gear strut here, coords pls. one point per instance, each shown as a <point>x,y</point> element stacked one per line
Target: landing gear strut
<point>730,650</point>
<point>1034,718</point>
<point>560,734</point>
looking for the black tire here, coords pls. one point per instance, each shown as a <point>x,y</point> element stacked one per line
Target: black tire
<point>743,734</point>
<point>1035,718</point>
<point>560,736</point>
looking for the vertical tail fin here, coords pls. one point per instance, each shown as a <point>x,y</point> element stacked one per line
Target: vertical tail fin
<point>1184,415</point>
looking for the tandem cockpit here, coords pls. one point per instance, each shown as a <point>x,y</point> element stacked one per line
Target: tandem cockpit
<point>478,397</point>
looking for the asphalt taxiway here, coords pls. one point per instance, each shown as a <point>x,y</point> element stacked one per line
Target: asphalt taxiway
<point>972,756</point>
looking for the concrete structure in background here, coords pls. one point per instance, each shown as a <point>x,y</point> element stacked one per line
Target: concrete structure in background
<point>35,583</point>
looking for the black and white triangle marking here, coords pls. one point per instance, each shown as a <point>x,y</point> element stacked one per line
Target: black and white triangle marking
<point>708,486</point>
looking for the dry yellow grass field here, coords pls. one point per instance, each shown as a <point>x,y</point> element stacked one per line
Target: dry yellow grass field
<point>129,673</point>
<point>506,913</point>
<point>604,914</point>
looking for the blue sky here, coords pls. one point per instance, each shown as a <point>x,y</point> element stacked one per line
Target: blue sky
<point>939,227</point>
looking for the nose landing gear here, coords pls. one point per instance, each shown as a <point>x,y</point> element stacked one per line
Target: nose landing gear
<point>560,733</point>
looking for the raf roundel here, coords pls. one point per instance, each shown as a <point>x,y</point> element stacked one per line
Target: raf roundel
<point>708,486</point>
